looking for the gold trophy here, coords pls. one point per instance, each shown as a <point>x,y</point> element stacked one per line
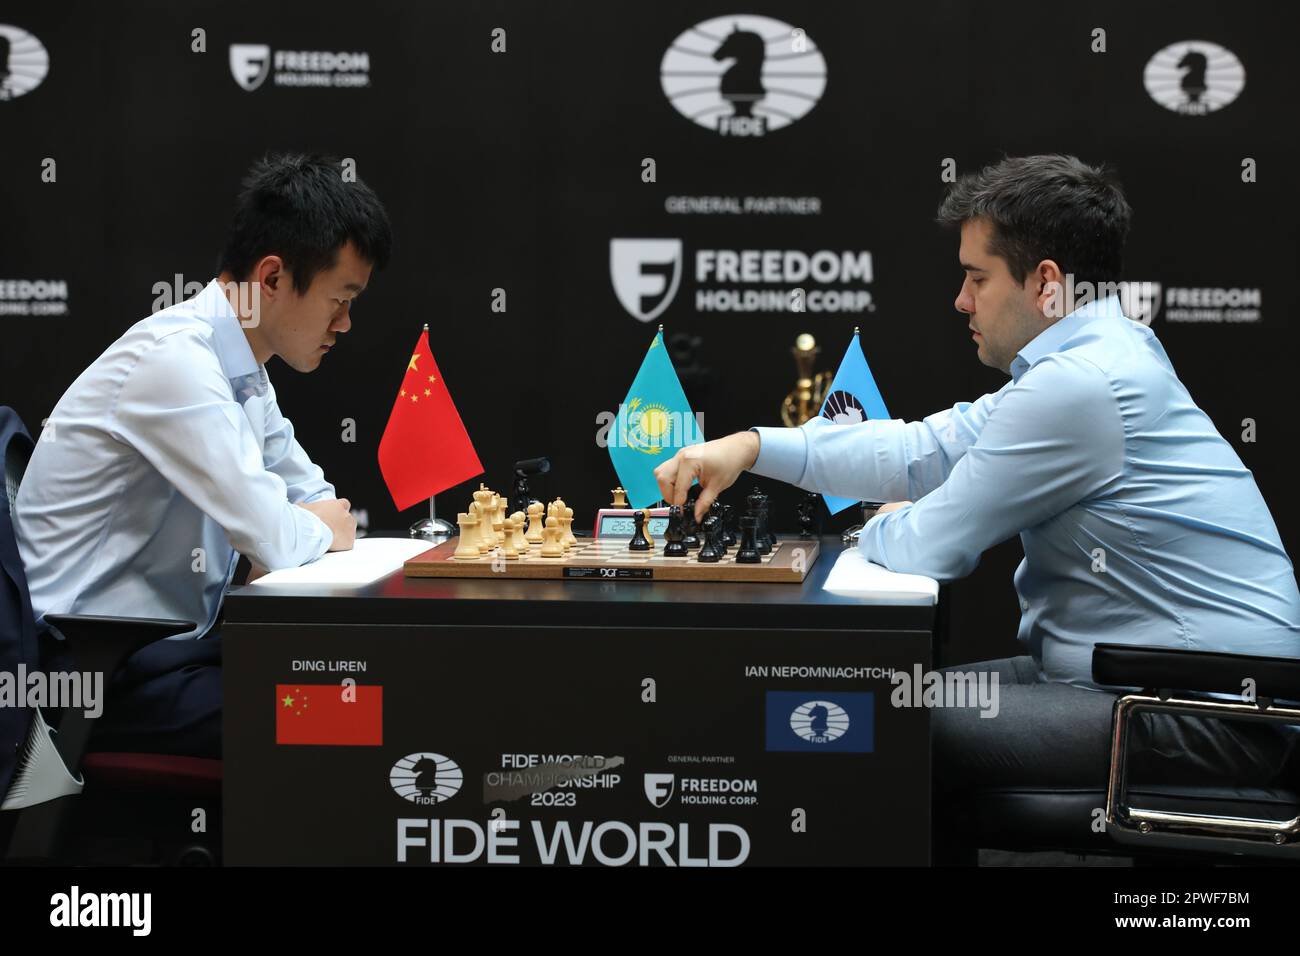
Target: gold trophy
<point>810,388</point>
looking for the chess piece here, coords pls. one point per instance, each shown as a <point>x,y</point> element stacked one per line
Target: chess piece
<point>675,534</point>
<point>553,544</point>
<point>499,517</point>
<point>748,553</point>
<point>807,510</point>
<point>466,546</point>
<point>535,526</point>
<point>709,549</point>
<point>620,497</point>
<point>566,523</point>
<point>728,526</point>
<point>521,542</point>
<point>764,538</point>
<point>692,539</point>
<point>478,512</point>
<point>639,540</point>
<point>719,531</point>
<point>508,549</point>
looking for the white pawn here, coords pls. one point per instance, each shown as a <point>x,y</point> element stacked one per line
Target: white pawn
<point>553,546</point>
<point>508,550</point>
<point>535,526</point>
<point>566,528</point>
<point>521,542</point>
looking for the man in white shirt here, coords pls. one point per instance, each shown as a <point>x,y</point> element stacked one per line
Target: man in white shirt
<point>168,457</point>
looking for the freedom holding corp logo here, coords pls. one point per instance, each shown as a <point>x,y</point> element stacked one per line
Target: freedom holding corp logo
<point>743,75</point>
<point>804,721</point>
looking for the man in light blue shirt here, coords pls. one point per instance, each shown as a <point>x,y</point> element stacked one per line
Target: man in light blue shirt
<point>1140,524</point>
<point>169,457</point>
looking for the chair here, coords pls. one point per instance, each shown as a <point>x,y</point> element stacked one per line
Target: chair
<point>62,803</point>
<point>1201,824</point>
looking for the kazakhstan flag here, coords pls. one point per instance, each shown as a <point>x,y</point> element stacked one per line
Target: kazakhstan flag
<point>653,422</point>
<point>853,398</point>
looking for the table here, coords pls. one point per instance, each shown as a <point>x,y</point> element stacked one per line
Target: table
<point>546,722</point>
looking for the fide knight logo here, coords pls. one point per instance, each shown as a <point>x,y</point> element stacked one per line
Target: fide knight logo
<point>249,64</point>
<point>24,62</point>
<point>819,721</point>
<point>842,408</point>
<point>1194,77</point>
<point>743,75</point>
<point>426,778</point>
<point>645,274</point>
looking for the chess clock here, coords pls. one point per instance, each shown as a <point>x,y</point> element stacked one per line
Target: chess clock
<point>618,523</point>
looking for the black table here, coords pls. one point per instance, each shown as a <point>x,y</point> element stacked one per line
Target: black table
<point>503,721</point>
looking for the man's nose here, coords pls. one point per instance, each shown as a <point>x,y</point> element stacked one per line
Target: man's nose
<point>343,322</point>
<point>964,302</point>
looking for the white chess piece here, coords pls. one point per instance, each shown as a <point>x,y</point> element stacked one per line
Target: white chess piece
<point>466,547</point>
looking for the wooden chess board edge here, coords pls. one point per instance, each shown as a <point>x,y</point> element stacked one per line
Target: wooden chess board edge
<point>438,562</point>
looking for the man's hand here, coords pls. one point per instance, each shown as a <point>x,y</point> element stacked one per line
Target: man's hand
<point>891,506</point>
<point>336,513</point>
<point>717,464</point>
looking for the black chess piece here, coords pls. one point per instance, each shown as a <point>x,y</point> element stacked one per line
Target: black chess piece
<point>807,514</point>
<point>764,537</point>
<point>639,541</point>
<point>692,539</point>
<point>748,553</point>
<point>728,526</point>
<point>719,528</point>
<point>709,550</point>
<point>675,534</point>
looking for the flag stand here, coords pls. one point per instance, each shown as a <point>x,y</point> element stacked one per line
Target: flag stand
<point>433,527</point>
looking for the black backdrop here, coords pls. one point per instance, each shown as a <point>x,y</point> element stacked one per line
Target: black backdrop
<point>514,170</point>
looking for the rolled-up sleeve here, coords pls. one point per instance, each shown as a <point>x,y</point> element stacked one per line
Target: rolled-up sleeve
<point>176,409</point>
<point>1055,439</point>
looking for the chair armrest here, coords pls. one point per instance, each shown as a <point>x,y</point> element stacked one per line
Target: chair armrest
<point>1206,672</point>
<point>101,644</point>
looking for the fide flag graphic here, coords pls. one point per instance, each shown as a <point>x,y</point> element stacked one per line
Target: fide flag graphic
<point>853,398</point>
<point>653,422</point>
<point>425,448</point>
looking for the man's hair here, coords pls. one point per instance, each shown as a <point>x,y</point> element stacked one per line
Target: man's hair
<point>1046,207</point>
<point>299,208</point>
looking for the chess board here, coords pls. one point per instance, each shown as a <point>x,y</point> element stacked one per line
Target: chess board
<point>608,559</point>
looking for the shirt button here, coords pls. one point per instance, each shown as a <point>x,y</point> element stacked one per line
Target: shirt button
<point>1024,605</point>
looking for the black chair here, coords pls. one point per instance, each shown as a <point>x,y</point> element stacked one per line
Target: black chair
<point>1214,822</point>
<point>67,805</point>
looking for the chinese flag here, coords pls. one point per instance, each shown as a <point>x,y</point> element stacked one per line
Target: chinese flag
<point>348,716</point>
<point>425,448</point>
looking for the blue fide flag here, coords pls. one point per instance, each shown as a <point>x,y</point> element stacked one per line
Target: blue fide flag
<point>654,421</point>
<point>853,398</point>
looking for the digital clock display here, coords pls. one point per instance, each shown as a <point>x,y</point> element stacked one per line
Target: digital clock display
<point>617,526</point>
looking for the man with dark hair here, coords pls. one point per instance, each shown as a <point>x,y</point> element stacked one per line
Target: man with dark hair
<point>168,457</point>
<point>1140,524</point>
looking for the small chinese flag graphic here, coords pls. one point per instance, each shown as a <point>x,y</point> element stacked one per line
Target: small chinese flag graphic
<point>338,714</point>
<point>425,448</point>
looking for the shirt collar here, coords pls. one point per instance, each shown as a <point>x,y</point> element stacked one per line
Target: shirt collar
<point>1061,331</point>
<point>233,351</point>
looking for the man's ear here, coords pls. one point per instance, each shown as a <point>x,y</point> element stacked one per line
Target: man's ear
<point>1049,281</point>
<point>272,276</point>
